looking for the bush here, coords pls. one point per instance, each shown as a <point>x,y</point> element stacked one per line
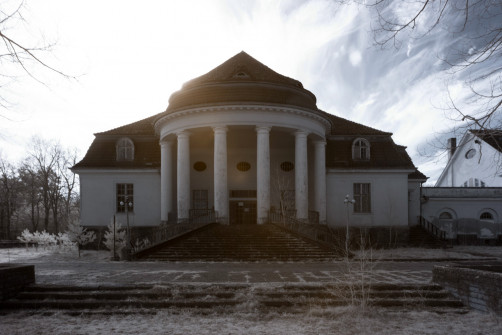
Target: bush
<point>115,239</point>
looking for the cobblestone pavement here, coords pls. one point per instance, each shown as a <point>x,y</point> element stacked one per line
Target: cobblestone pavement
<point>131,273</point>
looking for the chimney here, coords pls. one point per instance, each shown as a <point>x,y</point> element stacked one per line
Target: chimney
<point>452,146</point>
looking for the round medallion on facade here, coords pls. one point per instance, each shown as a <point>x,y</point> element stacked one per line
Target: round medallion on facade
<point>470,154</point>
<point>199,166</point>
<point>287,166</point>
<point>243,166</point>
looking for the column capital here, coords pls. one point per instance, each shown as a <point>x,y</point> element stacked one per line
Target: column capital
<point>182,134</point>
<point>301,133</point>
<point>319,142</point>
<point>263,129</point>
<point>220,129</point>
<point>164,143</point>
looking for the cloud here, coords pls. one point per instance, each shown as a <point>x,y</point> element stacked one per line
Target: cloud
<point>355,58</point>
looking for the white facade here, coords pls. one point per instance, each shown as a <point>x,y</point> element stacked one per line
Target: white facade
<point>474,163</point>
<point>389,198</point>
<point>464,211</point>
<point>243,141</point>
<point>98,197</point>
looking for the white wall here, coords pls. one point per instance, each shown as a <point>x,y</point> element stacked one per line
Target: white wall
<point>98,197</point>
<point>465,205</point>
<point>389,198</point>
<point>485,165</point>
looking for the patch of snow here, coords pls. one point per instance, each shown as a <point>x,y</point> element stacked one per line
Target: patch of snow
<point>340,320</point>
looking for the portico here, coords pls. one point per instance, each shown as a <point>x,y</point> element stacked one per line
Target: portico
<point>245,157</point>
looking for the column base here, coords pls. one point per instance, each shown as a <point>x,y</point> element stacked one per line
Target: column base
<point>262,220</point>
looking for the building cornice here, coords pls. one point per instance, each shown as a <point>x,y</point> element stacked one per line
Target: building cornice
<point>241,107</point>
<point>114,170</point>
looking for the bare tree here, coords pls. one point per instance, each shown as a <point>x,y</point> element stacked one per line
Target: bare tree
<point>9,188</point>
<point>476,28</point>
<point>284,187</point>
<point>31,194</point>
<point>68,180</point>
<point>43,159</point>
<point>17,56</point>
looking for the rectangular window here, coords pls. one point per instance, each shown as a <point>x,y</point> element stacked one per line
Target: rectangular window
<point>125,196</point>
<point>199,199</point>
<point>362,196</point>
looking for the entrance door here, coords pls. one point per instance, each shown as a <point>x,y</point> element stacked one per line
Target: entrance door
<point>242,211</point>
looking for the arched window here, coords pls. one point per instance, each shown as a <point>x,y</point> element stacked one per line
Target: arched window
<point>445,216</point>
<point>125,149</point>
<point>361,149</point>
<point>486,216</point>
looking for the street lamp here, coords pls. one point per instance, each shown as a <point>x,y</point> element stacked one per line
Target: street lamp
<point>347,203</point>
<point>127,204</point>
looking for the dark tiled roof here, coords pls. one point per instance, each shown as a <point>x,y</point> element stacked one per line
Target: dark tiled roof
<point>102,154</point>
<point>250,70</point>
<point>417,175</point>
<point>241,79</point>
<point>491,136</point>
<point>384,153</point>
<point>142,127</point>
<point>341,126</point>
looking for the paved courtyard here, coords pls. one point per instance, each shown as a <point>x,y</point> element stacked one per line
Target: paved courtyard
<point>122,273</point>
<point>406,265</point>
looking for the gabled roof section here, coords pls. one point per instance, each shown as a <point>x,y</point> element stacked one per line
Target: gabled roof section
<point>491,136</point>
<point>102,152</point>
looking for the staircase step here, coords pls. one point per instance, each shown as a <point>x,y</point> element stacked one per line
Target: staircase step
<point>129,299</point>
<point>240,243</point>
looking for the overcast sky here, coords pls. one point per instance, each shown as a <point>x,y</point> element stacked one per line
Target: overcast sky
<point>129,56</point>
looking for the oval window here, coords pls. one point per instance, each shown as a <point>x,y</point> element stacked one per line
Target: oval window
<point>471,153</point>
<point>287,166</point>
<point>243,166</point>
<point>199,166</point>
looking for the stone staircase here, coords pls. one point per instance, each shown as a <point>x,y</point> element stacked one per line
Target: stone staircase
<point>227,298</point>
<point>239,243</point>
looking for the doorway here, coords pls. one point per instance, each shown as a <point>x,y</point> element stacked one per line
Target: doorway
<point>242,211</point>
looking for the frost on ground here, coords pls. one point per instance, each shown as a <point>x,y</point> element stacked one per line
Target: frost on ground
<point>455,252</point>
<point>33,255</point>
<point>342,320</point>
<point>52,254</point>
<point>95,267</point>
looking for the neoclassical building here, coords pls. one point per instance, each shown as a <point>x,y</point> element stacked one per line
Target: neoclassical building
<point>244,140</point>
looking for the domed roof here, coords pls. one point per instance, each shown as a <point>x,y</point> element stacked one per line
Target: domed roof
<point>242,79</point>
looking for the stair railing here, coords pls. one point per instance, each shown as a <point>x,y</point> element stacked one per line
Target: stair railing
<point>432,229</point>
<point>170,230</point>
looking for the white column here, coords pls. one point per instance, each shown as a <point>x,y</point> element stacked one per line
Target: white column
<point>301,176</point>
<point>183,180</point>
<point>320,180</point>
<point>166,174</point>
<point>220,174</point>
<point>263,174</point>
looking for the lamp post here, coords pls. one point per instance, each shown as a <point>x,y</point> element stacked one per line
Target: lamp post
<point>347,203</point>
<point>127,204</point>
